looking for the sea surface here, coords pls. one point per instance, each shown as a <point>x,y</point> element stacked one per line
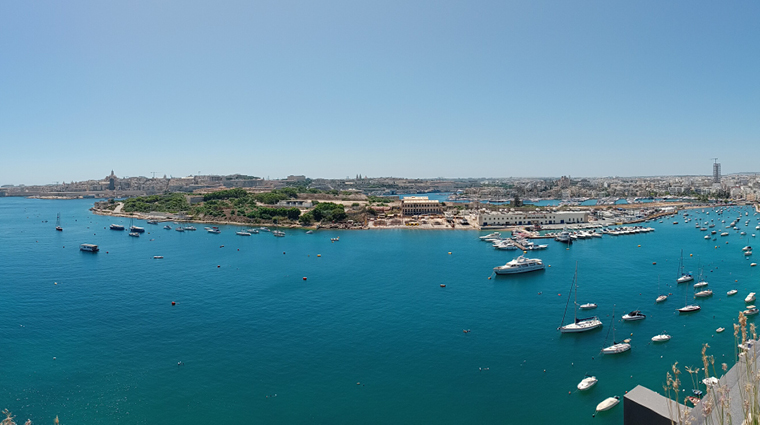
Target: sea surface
<point>368,337</point>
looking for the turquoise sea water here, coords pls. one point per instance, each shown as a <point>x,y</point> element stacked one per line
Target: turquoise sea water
<point>370,337</point>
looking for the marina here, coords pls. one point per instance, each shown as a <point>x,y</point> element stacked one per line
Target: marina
<point>237,284</point>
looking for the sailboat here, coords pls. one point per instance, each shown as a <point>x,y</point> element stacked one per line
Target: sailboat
<point>683,277</point>
<point>616,347</point>
<point>578,325</point>
<point>58,223</point>
<point>663,297</point>
<point>688,308</point>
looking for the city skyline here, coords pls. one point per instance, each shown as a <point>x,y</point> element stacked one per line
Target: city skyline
<point>490,89</point>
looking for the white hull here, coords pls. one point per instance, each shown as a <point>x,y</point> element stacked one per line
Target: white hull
<point>750,298</point>
<point>581,326</point>
<point>661,338</point>
<point>689,309</point>
<point>587,383</point>
<point>661,298</point>
<point>617,348</point>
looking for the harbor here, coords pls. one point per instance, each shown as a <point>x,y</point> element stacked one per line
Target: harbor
<point>301,317</point>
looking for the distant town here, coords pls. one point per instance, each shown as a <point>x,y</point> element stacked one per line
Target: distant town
<point>739,187</point>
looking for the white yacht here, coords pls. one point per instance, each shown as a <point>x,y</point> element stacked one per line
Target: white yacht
<point>588,306</point>
<point>505,244</point>
<point>661,338</point>
<point>564,237</point>
<point>494,235</point>
<point>661,298</point>
<point>700,284</point>
<point>750,298</point>
<point>732,292</point>
<point>520,265</point>
<point>705,293</point>
<point>751,310</point>
<point>587,382</point>
<point>242,233</point>
<point>689,309</point>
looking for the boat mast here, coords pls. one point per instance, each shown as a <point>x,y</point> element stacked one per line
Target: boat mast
<point>575,279</point>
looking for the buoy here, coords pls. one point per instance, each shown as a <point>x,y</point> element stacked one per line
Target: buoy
<point>56,283</point>
<point>238,249</point>
<point>639,246</point>
<point>358,383</point>
<point>319,255</point>
<point>221,246</point>
<point>449,252</point>
<point>174,303</point>
<point>691,255</point>
<point>106,252</point>
<point>218,266</point>
<point>304,278</point>
<point>489,277</point>
<point>559,295</point>
<point>654,263</point>
<point>283,252</point>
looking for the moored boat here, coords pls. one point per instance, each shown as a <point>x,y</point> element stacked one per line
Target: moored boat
<point>116,227</point>
<point>88,247</point>
<point>661,338</point>
<point>634,315</point>
<point>587,382</point>
<point>520,265</point>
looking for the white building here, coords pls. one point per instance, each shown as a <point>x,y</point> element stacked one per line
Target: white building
<point>511,218</point>
<point>420,205</point>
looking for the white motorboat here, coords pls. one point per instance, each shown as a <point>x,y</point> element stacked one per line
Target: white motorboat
<point>608,404</point>
<point>634,315</point>
<point>703,294</point>
<point>494,235</point>
<point>242,233</point>
<point>683,277</point>
<point>700,284</point>
<point>661,298</point>
<point>752,264</point>
<point>707,237</point>
<point>732,292</point>
<point>278,233</point>
<point>587,382</point>
<point>719,330</point>
<point>564,237</point>
<point>520,265</point>
<point>661,338</point>
<point>747,248</point>
<point>724,234</point>
<point>588,306</point>
<point>751,310</point>
<point>256,231</point>
<point>750,298</point>
<point>747,253</point>
<point>167,227</point>
<point>506,244</point>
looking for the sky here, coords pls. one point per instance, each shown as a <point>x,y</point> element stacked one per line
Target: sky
<point>416,89</point>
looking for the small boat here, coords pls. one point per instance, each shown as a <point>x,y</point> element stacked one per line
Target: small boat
<point>152,221</point>
<point>724,234</point>
<point>588,306</point>
<point>700,284</point>
<point>661,298</point>
<point>242,233</point>
<point>264,229</point>
<point>661,338</point>
<point>747,253</point>
<point>158,257</point>
<point>278,233</point>
<point>750,298</point>
<point>308,232</point>
<point>134,234</point>
<point>616,347</point>
<point>58,223</point>
<point>578,325</point>
<point>135,229</point>
<point>705,293</point>
<point>634,315</point>
<point>179,229</point>
<point>587,382</point>
<point>494,235</point>
<point>719,330</point>
<point>752,264</point>
<point>252,231</point>
<point>335,239</point>
<point>732,292</point>
<point>689,309</point>
<point>88,247</point>
<point>707,237</point>
<point>747,248</point>
<point>190,228</point>
<point>215,230</point>
<point>751,310</point>
<point>167,227</point>
<point>116,227</point>
<point>608,404</point>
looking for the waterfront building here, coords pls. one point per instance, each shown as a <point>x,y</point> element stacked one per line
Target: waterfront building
<point>420,205</point>
<point>516,218</point>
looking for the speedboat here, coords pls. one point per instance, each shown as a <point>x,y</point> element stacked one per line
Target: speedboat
<point>116,227</point>
<point>634,315</point>
<point>167,227</point>
<point>732,292</point>
<point>747,253</point>
<point>751,310</point>
<point>724,234</point>
<point>752,264</point>
<point>256,231</point>
<point>587,306</point>
<point>661,338</point>
<point>700,284</point>
<point>494,235</point>
<point>747,248</point>
<point>520,265</point>
<point>661,298</point>
<point>152,221</point>
<point>134,234</point>
<point>190,228</point>
<point>608,404</point>
<point>587,382</point>
<point>750,298</point>
<point>705,293</point>
<point>215,230</point>
<point>719,330</point>
<point>242,233</point>
<point>689,309</point>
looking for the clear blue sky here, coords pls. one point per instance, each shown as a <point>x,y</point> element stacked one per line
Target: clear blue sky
<point>385,88</point>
